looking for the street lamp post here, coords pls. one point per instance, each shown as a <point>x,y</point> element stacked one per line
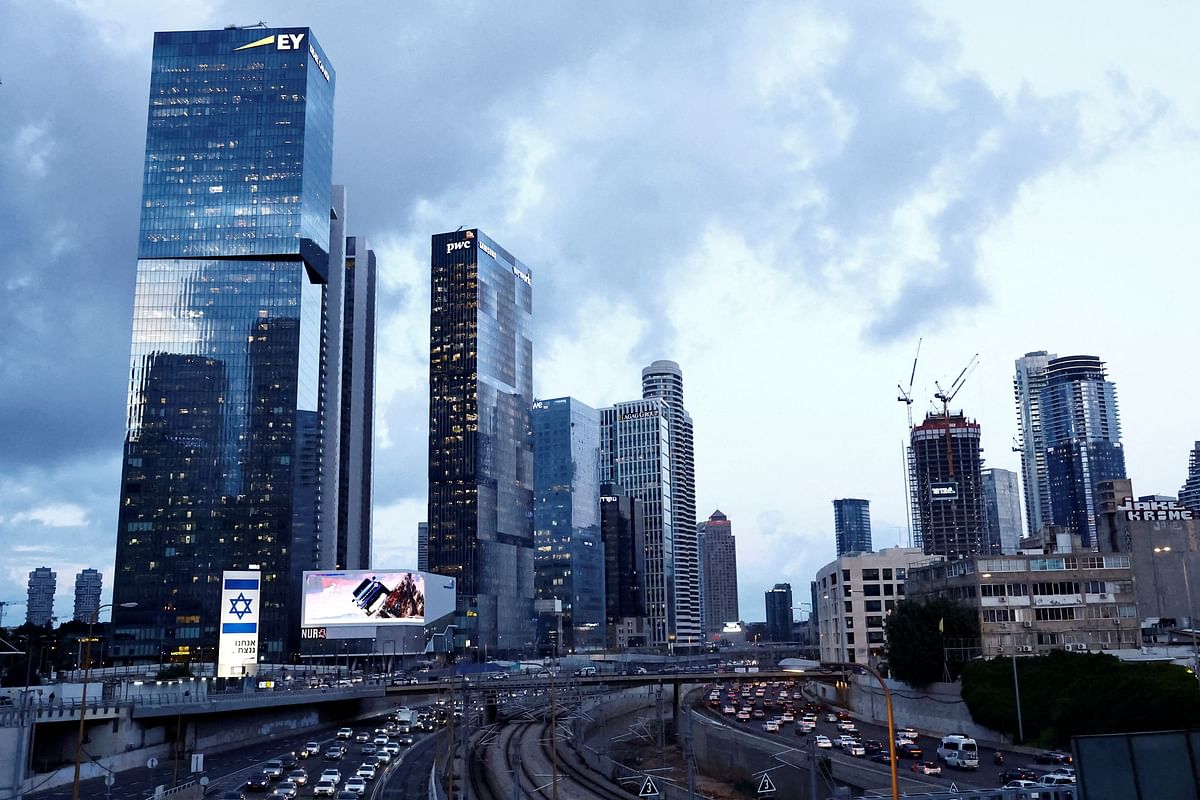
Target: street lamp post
<point>891,724</point>
<point>87,666</point>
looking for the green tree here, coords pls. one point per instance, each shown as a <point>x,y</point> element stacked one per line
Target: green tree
<point>917,633</point>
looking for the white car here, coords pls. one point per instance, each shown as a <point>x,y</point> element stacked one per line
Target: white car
<point>393,748</point>
<point>356,785</point>
<point>788,717</point>
<point>855,749</point>
<point>285,789</point>
<point>823,742</point>
<point>332,775</point>
<point>846,726</point>
<point>325,789</point>
<point>366,772</point>
<point>380,741</point>
<point>771,726</point>
<point>831,717</point>
<point>345,733</point>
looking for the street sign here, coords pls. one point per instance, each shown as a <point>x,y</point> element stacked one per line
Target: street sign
<point>204,780</point>
<point>765,786</point>
<point>109,780</point>
<point>953,788</point>
<point>151,763</point>
<point>197,762</point>
<point>648,788</point>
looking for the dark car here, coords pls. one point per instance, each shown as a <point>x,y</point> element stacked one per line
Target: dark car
<point>909,751</point>
<point>881,758</point>
<point>258,783</point>
<point>288,760</point>
<point>1053,757</point>
<point>233,794</point>
<point>873,746</point>
<point>1017,774</point>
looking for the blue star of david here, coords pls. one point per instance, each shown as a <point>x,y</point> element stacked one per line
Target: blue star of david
<point>240,600</point>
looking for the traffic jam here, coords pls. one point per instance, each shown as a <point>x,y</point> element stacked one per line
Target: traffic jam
<point>780,708</point>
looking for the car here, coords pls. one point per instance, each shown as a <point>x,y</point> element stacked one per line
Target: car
<point>310,749</point>
<point>847,727</point>
<point>383,757</point>
<point>380,741</point>
<point>758,713</point>
<point>298,777</point>
<point>831,717</point>
<point>257,783</point>
<point>1018,774</point>
<point>366,771</point>
<point>405,739</point>
<point>729,710</point>
<point>1022,784</point>
<point>908,733</point>
<point>743,715</point>
<point>1053,779</point>
<point>332,775</point>
<point>1068,771</point>
<point>334,753</point>
<point>854,749</point>
<point>369,749</point>
<point>288,760</point>
<point>393,748</point>
<point>803,730</point>
<point>232,794</point>
<point>273,769</point>
<point>1053,757</point>
<point>823,742</point>
<point>345,733</point>
<point>873,746</point>
<point>325,789</point>
<point>881,758</point>
<point>926,768</point>
<point>788,717</point>
<point>345,795</point>
<point>362,736</point>
<point>771,726</point>
<point>356,785</point>
<point>286,790</point>
<point>909,750</point>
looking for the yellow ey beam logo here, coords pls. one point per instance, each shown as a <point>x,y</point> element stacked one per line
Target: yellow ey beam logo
<point>286,41</point>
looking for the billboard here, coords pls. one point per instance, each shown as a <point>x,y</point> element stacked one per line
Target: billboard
<point>375,597</point>
<point>237,648</point>
<point>944,490</point>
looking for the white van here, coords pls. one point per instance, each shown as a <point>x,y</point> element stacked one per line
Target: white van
<point>959,751</point>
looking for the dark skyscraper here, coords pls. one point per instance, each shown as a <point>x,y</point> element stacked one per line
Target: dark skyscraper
<point>623,533</point>
<point>718,572</point>
<point>948,488</point>
<point>779,613</point>
<point>852,525</point>
<point>229,461</point>
<point>480,443</point>
<point>1082,433</point>
<point>568,560</point>
<point>88,584</point>
<point>39,606</point>
<point>1189,493</point>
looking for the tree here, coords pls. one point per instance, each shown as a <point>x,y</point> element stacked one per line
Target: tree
<point>916,637</point>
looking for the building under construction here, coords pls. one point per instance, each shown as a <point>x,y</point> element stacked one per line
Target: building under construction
<point>947,485</point>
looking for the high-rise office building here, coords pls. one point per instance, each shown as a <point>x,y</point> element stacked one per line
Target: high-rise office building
<point>779,613</point>
<point>568,561</point>
<point>948,487</point>
<point>357,406</point>
<point>480,443</point>
<point>664,380</point>
<point>39,606</point>
<point>1002,501</point>
<point>1082,433</point>
<point>635,458</point>
<point>88,584</point>
<point>231,451</point>
<point>623,533</point>
<point>1028,382</point>
<point>718,572</point>
<point>1189,493</point>
<point>423,546</point>
<point>852,525</point>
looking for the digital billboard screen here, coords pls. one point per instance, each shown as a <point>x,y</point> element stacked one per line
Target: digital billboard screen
<point>375,597</point>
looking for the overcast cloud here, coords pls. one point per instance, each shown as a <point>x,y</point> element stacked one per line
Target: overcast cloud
<point>781,196</point>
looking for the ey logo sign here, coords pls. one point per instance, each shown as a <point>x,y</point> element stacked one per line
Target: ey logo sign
<point>284,41</point>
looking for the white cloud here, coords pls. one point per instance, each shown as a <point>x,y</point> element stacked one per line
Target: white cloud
<point>58,515</point>
<point>31,148</point>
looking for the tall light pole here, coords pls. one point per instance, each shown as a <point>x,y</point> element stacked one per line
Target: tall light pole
<point>87,666</point>
<point>891,724</point>
<point>1187,587</point>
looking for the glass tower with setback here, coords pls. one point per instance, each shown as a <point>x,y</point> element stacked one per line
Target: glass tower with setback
<point>229,419</point>
<point>480,441</point>
<point>852,525</point>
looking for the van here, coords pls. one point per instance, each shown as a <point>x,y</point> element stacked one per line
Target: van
<point>959,751</point>
<point>586,672</point>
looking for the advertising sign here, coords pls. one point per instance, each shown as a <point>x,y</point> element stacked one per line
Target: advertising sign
<point>237,650</point>
<point>374,597</point>
<point>945,490</point>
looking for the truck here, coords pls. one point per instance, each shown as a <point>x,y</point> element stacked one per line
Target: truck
<point>406,719</point>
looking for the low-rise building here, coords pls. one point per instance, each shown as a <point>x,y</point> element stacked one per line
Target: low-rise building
<point>1059,596</point>
<point>855,593</point>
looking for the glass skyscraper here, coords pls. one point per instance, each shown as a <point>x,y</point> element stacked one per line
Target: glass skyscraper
<point>39,605</point>
<point>236,311</point>
<point>718,572</point>
<point>1002,500</point>
<point>623,532</point>
<point>1028,382</point>
<point>569,556</point>
<point>852,525</point>
<point>779,613</point>
<point>1082,434</point>
<point>480,442</point>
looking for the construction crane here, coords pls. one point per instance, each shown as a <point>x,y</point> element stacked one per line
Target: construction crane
<point>4,603</point>
<point>905,397</point>
<point>945,396</point>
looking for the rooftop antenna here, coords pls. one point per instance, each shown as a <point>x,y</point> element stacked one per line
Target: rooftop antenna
<point>259,24</point>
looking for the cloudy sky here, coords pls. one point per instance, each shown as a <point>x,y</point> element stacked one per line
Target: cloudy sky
<point>782,197</point>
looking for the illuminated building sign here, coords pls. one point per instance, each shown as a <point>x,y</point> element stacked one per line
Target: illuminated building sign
<point>945,490</point>
<point>237,648</point>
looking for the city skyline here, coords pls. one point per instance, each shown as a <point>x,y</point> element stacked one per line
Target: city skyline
<point>1048,169</point>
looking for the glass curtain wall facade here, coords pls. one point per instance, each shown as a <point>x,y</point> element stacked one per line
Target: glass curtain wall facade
<point>623,533</point>
<point>664,380</point>
<point>569,555</point>
<point>852,525</point>
<point>480,442</point>
<point>1028,382</point>
<point>1001,497</point>
<point>779,613</point>
<point>635,457</point>
<point>949,486</point>
<point>1083,440</point>
<point>88,585</point>
<point>39,602</point>
<point>1189,493</point>
<point>225,441</point>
